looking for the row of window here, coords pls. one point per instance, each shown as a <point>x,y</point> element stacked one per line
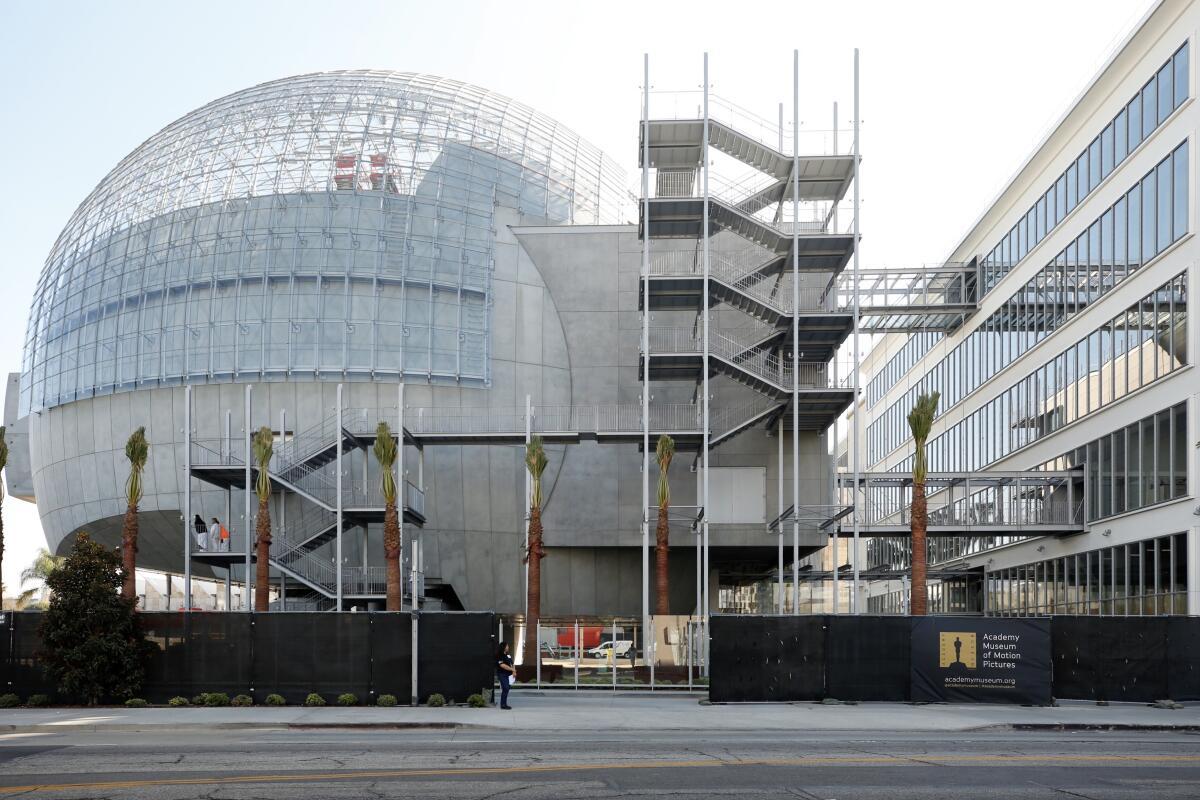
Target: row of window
<point>1142,578</point>
<point>1146,342</point>
<point>1163,93</point>
<point>917,345</point>
<point>1140,465</point>
<point>1150,217</point>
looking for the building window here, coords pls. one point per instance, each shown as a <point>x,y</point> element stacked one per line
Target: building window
<point>1146,578</point>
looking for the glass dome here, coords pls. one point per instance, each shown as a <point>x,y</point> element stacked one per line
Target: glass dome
<point>336,224</point>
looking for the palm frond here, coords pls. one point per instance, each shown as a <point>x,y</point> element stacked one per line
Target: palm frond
<point>535,462</point>
<point>263,447</point>
<point>137,450</point>
<point>663,454</point>
<point>920,422</point>
<point>385,453</point>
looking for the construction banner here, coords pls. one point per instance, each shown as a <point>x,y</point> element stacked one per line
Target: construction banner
<point>981,660</point>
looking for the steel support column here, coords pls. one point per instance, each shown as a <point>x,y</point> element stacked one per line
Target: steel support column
<point>248,602</point>
<point>401,484</point>
<point>779,513</point>
<point>795,331</point>
<point>187,501</point>
<point>856,418</point>
<point>704,429</point>
<point>338,507</point>
<point>646,341</point>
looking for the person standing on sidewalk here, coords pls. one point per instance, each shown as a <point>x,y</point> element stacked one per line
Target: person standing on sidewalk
<point>505,673</point>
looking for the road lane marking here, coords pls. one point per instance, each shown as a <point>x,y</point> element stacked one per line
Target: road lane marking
<point>374,775</point>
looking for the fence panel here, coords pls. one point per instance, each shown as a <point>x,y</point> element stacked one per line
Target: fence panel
<point>456,654</point>
<point>1183,658</point>
<point>1109,658</point>
<point>868,658</point>
<point>391,655</point>
<point>25,673</point>
<point>755,658</point>
<point>295,654</point>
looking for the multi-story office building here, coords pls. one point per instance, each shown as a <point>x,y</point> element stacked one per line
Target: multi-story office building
<point>1075,361</point>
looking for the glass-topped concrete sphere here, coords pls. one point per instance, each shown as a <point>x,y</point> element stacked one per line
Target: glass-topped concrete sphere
<point>336,225</point>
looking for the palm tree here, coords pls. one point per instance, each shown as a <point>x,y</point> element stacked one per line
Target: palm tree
<point>263,446</point>
<point>663,455</point>
<point>385,454</point>
<point>136,450</point>
<point>535,461</point>
<point>3,464</point>
<point>41,568</point>
<point>920,420</point>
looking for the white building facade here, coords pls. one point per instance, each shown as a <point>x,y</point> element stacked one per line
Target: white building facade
<point>1078,357</point>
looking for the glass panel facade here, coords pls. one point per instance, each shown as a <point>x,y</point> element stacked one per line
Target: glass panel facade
<point>1152,343</point>
<point>334,224</point>
<point>1148,109</point>
<point>1139,579</point>
<point>1154,214</point>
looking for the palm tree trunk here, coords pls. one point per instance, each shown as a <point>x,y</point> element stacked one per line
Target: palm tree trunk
<point>534,598</point>
<point>2,538</point>
<point>262,569</point>
<point>662,548</point>
<point>920,517</point>
<point>129,537</point>
<point>391,555</point>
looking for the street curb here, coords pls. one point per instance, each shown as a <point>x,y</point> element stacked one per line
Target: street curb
<point>265,726</point>
<point>1087,726</point>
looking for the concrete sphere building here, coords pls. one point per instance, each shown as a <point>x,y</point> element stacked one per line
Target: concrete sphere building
<point>375,229</point>
<point>347,227</point>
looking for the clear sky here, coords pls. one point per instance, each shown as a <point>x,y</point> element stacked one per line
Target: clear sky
<point>954,94</point>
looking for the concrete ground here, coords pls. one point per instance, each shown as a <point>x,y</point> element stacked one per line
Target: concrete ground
<point>598,711</point>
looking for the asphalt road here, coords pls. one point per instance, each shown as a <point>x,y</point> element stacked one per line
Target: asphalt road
<point>348,763</point>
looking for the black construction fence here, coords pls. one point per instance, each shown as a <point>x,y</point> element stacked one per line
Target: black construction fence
<point>807,658</point>
<point>291,654</point>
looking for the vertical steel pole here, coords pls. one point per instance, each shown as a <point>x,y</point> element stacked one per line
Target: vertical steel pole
<point>855,408</point>
<point>528,493</point>
<point>537,648</point>
<point>338,508</point>
<point>704,368</point>
<point>246,518</point>
<point>613,651</point>
<point>227,459</point>
<point>779,515</point>
<point>795,331</point>
<point>187,501</point>
<point>578,653</point>
<point>831,431</point>
<point>646,339</point>
<point>401,482</point>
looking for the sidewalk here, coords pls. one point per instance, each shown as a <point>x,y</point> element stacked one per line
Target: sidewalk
<point>606,711</point>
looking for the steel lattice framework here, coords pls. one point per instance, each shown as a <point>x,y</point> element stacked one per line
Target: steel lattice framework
<point>333,224</point>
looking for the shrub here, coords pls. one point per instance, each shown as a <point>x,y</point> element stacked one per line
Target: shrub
<point>347,699</point>
<point>37,701</point>
<point>9,701</point>
<point>92,645</point>
<point>314,699</point>
<point>435,700</point>
<point>275,700</point>
<point>198,700</point>
<point>242,700</point>
<point>387,700</point>
<point>136,702</point>
<point>176,702</point>
<point>476,701</point>
<point>215,699</point>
